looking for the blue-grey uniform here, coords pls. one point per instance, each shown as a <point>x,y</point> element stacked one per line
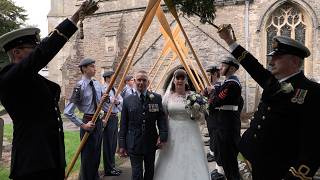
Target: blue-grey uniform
<point>110,134</point>
<point>82,98</point>
<point>127,90</point>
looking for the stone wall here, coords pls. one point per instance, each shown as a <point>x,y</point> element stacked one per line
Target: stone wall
<point>108,33</point>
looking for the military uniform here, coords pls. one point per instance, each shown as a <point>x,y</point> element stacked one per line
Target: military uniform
<point>32,102</point>
<point>85,97</point>
<point>127,90</point>
<point>138,131</point>
<point>209,117</point>
<point>281,140</point>
<point>225,108</point>
<point>110,132</point>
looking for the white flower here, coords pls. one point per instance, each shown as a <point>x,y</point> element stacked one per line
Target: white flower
<point>188,101</point>
<point>196,106</point>
<point>151,96</point>
<point>286,87</point>
<point>193,98</point>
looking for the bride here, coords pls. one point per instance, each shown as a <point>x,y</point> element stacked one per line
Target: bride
<point>183,157</point>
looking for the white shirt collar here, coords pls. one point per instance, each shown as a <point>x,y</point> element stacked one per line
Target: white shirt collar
<point>144,93</point>
<point>285,78</point>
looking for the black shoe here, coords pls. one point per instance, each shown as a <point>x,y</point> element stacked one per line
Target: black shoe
<point>118,170</point>
<point>211,158</point>
<point>217,176</point>
<point>112,173</point>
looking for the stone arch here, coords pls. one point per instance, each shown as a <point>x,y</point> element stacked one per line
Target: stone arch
<point>310,21</point>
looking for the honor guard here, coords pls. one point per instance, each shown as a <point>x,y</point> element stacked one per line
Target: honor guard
<point>38,150</point>
<point>280,142</point>
<point>225,108</point>
<point>110,132</point>
<point>209,92</point>
<point>129,88</point>
<point>86,96</point>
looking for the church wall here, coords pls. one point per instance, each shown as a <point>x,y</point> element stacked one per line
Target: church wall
<point>108,34</point>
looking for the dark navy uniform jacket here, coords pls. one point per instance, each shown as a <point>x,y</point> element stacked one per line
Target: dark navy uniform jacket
<point>228,94</point>
<point>32,103</point>
<point>141,126</point>
<point>210,95</point>
<point>285,129</point>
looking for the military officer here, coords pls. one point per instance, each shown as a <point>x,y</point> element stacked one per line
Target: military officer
<point>129,88</point>
<point>32,101</point>
<point>225,108</point>
<point>86,95</point>
<point>280,142</point>
<point>142,114</point>
<point>110,132</point>
<point>209,92</point>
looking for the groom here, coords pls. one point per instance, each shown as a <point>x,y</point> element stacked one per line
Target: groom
<point>142,114</point>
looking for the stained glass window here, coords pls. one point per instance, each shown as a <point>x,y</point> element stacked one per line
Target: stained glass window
<point>287,20</point>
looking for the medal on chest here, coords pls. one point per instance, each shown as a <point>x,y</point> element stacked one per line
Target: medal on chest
<point>153,107</point>
<point>299,96</point>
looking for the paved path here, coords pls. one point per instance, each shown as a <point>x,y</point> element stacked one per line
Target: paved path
<point>126,168</point>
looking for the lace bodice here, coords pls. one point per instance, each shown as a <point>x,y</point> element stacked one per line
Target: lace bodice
<point>175,107</point>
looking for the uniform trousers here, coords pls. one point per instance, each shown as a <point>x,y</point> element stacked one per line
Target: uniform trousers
<point>211,138</point>
<point>90,154</point>
<point>226,151</point>
<point>110,141</point>
<point>145,160</point>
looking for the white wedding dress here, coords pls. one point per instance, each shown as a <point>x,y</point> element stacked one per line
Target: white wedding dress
<point>183,157</point>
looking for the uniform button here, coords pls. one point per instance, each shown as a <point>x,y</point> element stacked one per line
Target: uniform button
<point>263,117</point>
<point>269,108</point>
<point>259,126</point>
<point>55,108</point>
<point>143,113</point>
<point>59,129</point>
<point>255,135</point>
<point>59,119</point>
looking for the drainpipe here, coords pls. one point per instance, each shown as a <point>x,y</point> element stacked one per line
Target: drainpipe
<point>246,30</point>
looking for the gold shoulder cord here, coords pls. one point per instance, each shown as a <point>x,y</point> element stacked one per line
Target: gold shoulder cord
<point>59,33</point>
<point>301,173</point>
<point>243,55</point>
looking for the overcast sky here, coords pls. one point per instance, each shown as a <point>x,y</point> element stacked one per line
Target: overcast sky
<point>37,11</point>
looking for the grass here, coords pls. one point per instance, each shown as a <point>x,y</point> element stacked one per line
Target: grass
<point>72,141</point>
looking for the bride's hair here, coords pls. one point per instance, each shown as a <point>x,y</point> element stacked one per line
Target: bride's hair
<point>179,73</point>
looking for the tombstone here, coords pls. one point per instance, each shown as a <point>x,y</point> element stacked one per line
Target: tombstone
<point>1,136</point>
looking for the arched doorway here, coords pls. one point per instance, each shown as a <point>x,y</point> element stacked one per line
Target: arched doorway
<point>170,76</point>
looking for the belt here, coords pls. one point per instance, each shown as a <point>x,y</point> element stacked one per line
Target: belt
<point>228,108</point>
<point>112,114</point>
<point>88,115</point>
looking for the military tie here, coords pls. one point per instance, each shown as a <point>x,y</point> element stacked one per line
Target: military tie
<point>142,98</point>
<point>94,95</point>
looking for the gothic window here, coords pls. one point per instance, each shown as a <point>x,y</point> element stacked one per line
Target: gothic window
<point>287,20</point>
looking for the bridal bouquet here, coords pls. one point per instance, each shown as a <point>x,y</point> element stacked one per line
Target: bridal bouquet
<point>196,103</point>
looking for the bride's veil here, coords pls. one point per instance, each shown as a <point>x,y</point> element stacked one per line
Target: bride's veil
<point>166,97</point>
